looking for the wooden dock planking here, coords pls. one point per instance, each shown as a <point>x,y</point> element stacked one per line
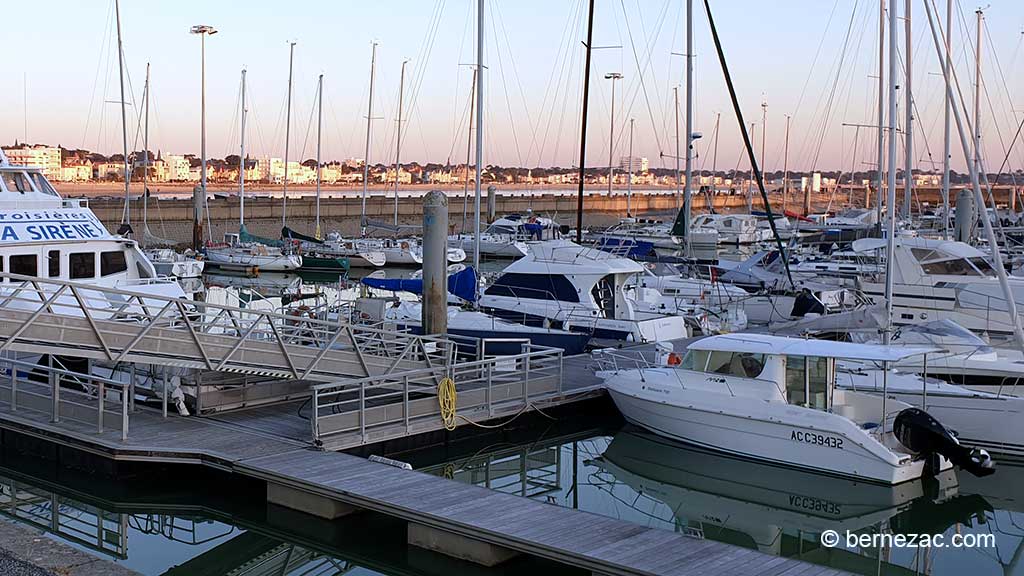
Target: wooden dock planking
<point>253,447</point>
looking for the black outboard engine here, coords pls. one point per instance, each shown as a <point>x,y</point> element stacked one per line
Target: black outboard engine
<point>921,433</point>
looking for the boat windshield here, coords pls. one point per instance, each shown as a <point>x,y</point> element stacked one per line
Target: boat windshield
<point>807,379</point>
<point>741,364</point>
<point>935,261</point>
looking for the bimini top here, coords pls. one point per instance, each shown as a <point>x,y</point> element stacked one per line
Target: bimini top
<point>780,345</point>
<point>566,257</point>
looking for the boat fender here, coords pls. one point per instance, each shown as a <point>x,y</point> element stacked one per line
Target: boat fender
<point>920,432</point>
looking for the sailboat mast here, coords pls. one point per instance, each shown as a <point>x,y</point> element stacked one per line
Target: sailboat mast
<point>145,161</point>
<point>369,120</point>
<point>948,61</point>
<point>480,128</point>
<point>319,127</point>
<point>679,174</point>
<point>997,261</point>
<point>881,112</point>
<point>977,95</point>
<point>287,135</point>
<point>469,143</point>
<point>126,217</point>
<point>890,207</point>
<point>629,176</point>
<point>908,160</point>
<point>241,161</point>
<point>687,194</point>
<point>398,136</point>
<point>785,167</point>
<point>583,123</point>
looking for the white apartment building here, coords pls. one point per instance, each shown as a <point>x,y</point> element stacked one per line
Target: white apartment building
<point>39,156</point>
<point>636,164</point>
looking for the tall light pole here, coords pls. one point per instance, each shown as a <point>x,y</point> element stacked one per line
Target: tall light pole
<point>200,199</point>
<point>613,76</point>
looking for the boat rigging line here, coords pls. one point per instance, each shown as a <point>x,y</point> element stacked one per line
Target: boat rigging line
<point>746,142</point>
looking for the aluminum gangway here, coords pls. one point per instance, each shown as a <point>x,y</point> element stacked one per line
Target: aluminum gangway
<point>110,325</point>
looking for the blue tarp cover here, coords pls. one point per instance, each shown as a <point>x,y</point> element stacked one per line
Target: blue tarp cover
<point>461,284</point>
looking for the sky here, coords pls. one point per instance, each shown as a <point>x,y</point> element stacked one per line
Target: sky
<point>813,60</point>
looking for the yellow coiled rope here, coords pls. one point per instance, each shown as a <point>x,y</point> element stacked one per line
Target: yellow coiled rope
<point>447,399</point>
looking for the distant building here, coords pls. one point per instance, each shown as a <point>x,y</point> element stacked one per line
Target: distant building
<point>178,168</point>
<point>39,156</point>
<point>76,171</point>
<point>634,164</point>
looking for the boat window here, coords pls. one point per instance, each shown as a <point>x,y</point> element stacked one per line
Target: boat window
<point>797,383</point>
<point>112,262</point>
<point>695,360</point>
<point>742,364</point>
<point>534,286</point>
<point>142,270</point>
<point>24,264</point>
<point>982,265</point>
<point>82,265</point>
<point>16,182</point>
<point>53,264</point>
<point>954,267</point>
<point>41,184</point>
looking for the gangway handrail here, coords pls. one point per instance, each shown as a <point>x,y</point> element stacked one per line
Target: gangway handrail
<point>43,315</point>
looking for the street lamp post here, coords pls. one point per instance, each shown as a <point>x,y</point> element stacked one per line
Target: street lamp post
<point>200,199</point>
<point>613,76</point>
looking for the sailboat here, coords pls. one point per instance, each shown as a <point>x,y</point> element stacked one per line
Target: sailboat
<point>242,251</point>
<point>165,259</point>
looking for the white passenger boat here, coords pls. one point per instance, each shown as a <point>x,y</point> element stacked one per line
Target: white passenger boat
<point>775,399</point>
<point>236,255</point>
<point>42,235</point>
<point>567,286</point>
<point>402,251</point>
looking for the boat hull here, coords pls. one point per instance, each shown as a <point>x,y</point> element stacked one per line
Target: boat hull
<point>760,437</point>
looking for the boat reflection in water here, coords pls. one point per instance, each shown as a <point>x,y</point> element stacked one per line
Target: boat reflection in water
<point>778,510</point>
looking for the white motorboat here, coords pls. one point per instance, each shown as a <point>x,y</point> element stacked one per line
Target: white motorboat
<point>732,228</point>
<point>361,252</point>
<point>942,279</point>
<point>456,255</point>
<point>506,237</point>
<point>567,286</point>
<point>775,399</point>
<point>994,422</point>
<point>236,255</point>
<point>167,262</point>
<point>402,251</point>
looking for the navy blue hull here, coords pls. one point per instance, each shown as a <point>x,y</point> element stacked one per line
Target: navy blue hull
<point>571,343</point>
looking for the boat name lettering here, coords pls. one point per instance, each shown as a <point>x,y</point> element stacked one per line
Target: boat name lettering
<point>814,504</point>
<point>816,439</point>
<point>717,379</point>
<point>49,225</point>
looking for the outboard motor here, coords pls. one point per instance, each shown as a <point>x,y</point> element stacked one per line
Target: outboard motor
<point>920,432</point>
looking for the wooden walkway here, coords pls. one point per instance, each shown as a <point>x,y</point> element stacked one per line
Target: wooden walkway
<point>245,445</point>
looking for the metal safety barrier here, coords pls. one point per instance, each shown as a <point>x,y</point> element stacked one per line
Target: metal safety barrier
<point>49,316</point>
<point>361,411</point>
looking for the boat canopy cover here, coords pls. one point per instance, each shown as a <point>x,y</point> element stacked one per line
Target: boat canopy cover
<point>290,234</point>
<point>245,237</point>
<point>461,284</point>
<point>780,345</point>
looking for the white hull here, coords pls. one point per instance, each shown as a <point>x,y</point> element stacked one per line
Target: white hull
<point>494,247</point>
<point>753,428</point>
<point>234,258</point>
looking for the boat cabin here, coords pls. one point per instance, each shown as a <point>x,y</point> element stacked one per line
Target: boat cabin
<point>795,371</point>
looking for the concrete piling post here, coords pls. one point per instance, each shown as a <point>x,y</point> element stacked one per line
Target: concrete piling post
<point>492,204</point>
<point>435,258</point>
